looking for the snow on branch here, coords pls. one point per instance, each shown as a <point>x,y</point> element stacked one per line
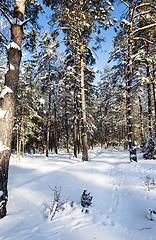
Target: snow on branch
<point>3,147</point>
<point>2,114</point>
<point>7,17</point>
<point>5,91</point>
<point>143,28</point>
<point>12,45</point>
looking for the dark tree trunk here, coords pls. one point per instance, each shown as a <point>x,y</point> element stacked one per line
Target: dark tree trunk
<point>75,120</point>
<point>141,121</point>
<point>149,93</point>
<point>131,135</point>
<point>48,125</point>
<point>8,102</point>
<point>154,96</point>
<point>55,130</point>
<point>83,106</point>
<point>66,121</point>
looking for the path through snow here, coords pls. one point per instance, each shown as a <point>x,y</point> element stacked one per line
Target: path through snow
<point>118,210</point>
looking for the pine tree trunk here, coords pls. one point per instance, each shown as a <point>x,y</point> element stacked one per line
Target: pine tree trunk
<point>83,106</point>
<point>48,127</point>
<point>8,102</point>
<point>75,119</point>
<point>131,135</point>
<point>79,138</point>
<point>42,130</point>
<point>149,93</point>
<point>55,130</point>
<point>66,122</point>
<point>154,96</point>
<point>141,121</point>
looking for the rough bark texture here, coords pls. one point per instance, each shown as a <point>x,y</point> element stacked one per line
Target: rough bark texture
<point>8,102</point>
<point>83,106</point>
<point>131,137</point>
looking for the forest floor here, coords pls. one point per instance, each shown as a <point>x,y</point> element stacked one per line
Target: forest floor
<point>122,192</point>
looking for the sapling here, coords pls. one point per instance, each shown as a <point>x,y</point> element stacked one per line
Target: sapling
<point>86,201</point>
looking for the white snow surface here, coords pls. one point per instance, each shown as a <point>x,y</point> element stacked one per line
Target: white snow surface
<point>118,187</point>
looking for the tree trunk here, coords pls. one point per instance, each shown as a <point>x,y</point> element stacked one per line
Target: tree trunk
<point>154,96</point>
<point>149,93</point>
<point>131,135</point>
<point>55,130</point>
<point>141,121</point>
<point>48,127</point>
<point>83,105</point>
<point>8,102</point>
<point>75,120</point>
<point>66,121</point>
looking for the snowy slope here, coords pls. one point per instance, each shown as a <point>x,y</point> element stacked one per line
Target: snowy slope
<point>119,189</point>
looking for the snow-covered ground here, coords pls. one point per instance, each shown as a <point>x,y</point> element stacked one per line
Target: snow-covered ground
<point>119,190</point>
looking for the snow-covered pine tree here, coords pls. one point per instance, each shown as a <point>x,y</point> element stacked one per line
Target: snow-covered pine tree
<point>16,20</point>
<point>79,20</point>
<point>47,75</point>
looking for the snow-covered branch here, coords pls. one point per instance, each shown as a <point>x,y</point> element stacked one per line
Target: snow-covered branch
<point>7,17</point>
<point>144,28</point>
<point>145,5</point>
<point>144,39</point>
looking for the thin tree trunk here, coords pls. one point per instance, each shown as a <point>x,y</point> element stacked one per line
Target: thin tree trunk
<point>66,122</point>
<point>48,128</point>
<point>79,134</point>
<point>149,94</point>
<point>42,130</point>
<point>17,145</point>
<point>83,105</point>
<point>131,135</point>
<point>141,121</point>
<point>75,120</point>
<point>8,102</point>
<point>154,96</point>
<point>55,130</point>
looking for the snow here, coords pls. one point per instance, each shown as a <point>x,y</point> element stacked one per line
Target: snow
<point>5,91</point>
<point>12,67</point>
<point>13,45</point>
<point>3,147</point>
<point>120,191</point>
<point>2,113</point>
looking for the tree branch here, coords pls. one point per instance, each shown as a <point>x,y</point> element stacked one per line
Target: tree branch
<point>10,21</point>
<point>142,13</point>
<point>125,3</point>
<point>143,28</point>
<point>144,39</point>
<point>145,4</point>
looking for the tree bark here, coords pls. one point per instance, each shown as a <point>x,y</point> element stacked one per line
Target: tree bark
<point>75,120</point>
<point>149,92</point>
<point>154,95</point>
<point>131,135</point>
<point>83,106</point>
<point>141,121</point>
<point>9,100</point>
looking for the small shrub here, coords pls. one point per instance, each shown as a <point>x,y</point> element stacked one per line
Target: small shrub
<point>57,204</point>
<point>86,201</point>
<point>150,149</point>
<point>150,183</point>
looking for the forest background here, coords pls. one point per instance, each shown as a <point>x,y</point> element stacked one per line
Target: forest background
<point>58,105</point>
